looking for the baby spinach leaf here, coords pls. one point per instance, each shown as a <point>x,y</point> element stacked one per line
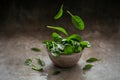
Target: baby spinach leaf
<point>37,68</point>
<point>28,61</point>
<point>56,72</point>
<point>77,21</point>
<point>68,49</point>
<point>41,62</point>
<point>92,59</point>
<point>59,29</point>
<point>75,37</point>
<point>56,37</point>
<point>35,49</point>
<point>88,66</point>
<point>60,13</point>
<point>85,44</point>
<point>78,49</point>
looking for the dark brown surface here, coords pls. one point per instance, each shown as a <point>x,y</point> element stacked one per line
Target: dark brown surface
<point>24,27</point>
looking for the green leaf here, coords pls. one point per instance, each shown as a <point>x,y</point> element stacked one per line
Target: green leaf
<point>77,21</point>
<point>35,49</point>
<point>85,44</point>
<point>88,66</point>
<point>90,60</point>
<point>68,49</point>
<point>28,62</point>
<point>41,62</point>
<point>60,13</point>
<point>56,37</point>
<point>78,49</point>
<point>75,37</point>
<point>56,72</point>
<point>59,29</point>
<point>37,68</point>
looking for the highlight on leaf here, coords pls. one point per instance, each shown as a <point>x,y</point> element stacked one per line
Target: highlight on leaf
<point>77,21</point>
<point>60,13</point>
<point>61,29</point>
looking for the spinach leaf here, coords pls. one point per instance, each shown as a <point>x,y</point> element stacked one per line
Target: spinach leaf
<point>41,62</point>
<point>68,49</point>
<point>87,66</point>
<point>59,29</point>
<point>77,21</point>
<point>56,72</point>
<point>28,61</point>
<point>37,68</point>
<point>75,37</point>
<point>92,59</point>
<point>56,37</point>
<point>60,13</point>
<point>35,49</point>
<point>85,44</point>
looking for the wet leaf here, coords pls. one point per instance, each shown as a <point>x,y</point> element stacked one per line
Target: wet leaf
<point>90,60</point>
<point>60,13</point>
<point>35,49</point>
<point>59,29</point>
<point>28,62</point>
<point>88,66</point>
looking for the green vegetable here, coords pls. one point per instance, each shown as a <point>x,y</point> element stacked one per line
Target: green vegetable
<point>77,21</point>
<point>90,60</point>
<point>85,44</point>
<point>41,62</point>
<point>37,68</point>
<point>60,13</point>
<point>28,62</point>
<point>68,49</point>
<point>56,72</point>
<point>59,29</point>
<point>88,66</point>
<point>56,37</point>
<point>75,37</point>
<point>35,49</point>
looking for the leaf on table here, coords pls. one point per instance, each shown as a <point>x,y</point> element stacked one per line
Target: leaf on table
<point>87,66</point>
<point>60,13</point>
<point>37,68</point>
<point>35,49</point>
<point>28,62</point>
<point>59,29</point>
<point>56,72</point>
<point>41,62</point>
<point>92,59</point>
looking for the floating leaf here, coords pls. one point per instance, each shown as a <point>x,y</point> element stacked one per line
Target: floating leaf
<point>59,29</point>
<point>56,72</point>
<point>35,49</point>
<point>75,37</point>
<point>41,62</point>
<point>85,44</point>
<point>28,62</point>
<point>77,21</point>
<point>37,68</point>
<point>60,13</point>
<point>68,49</point>
<point>88,66</point>
<point>90,60</point>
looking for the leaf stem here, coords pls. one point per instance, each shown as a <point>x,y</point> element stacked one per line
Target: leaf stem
<point>69,13</point>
